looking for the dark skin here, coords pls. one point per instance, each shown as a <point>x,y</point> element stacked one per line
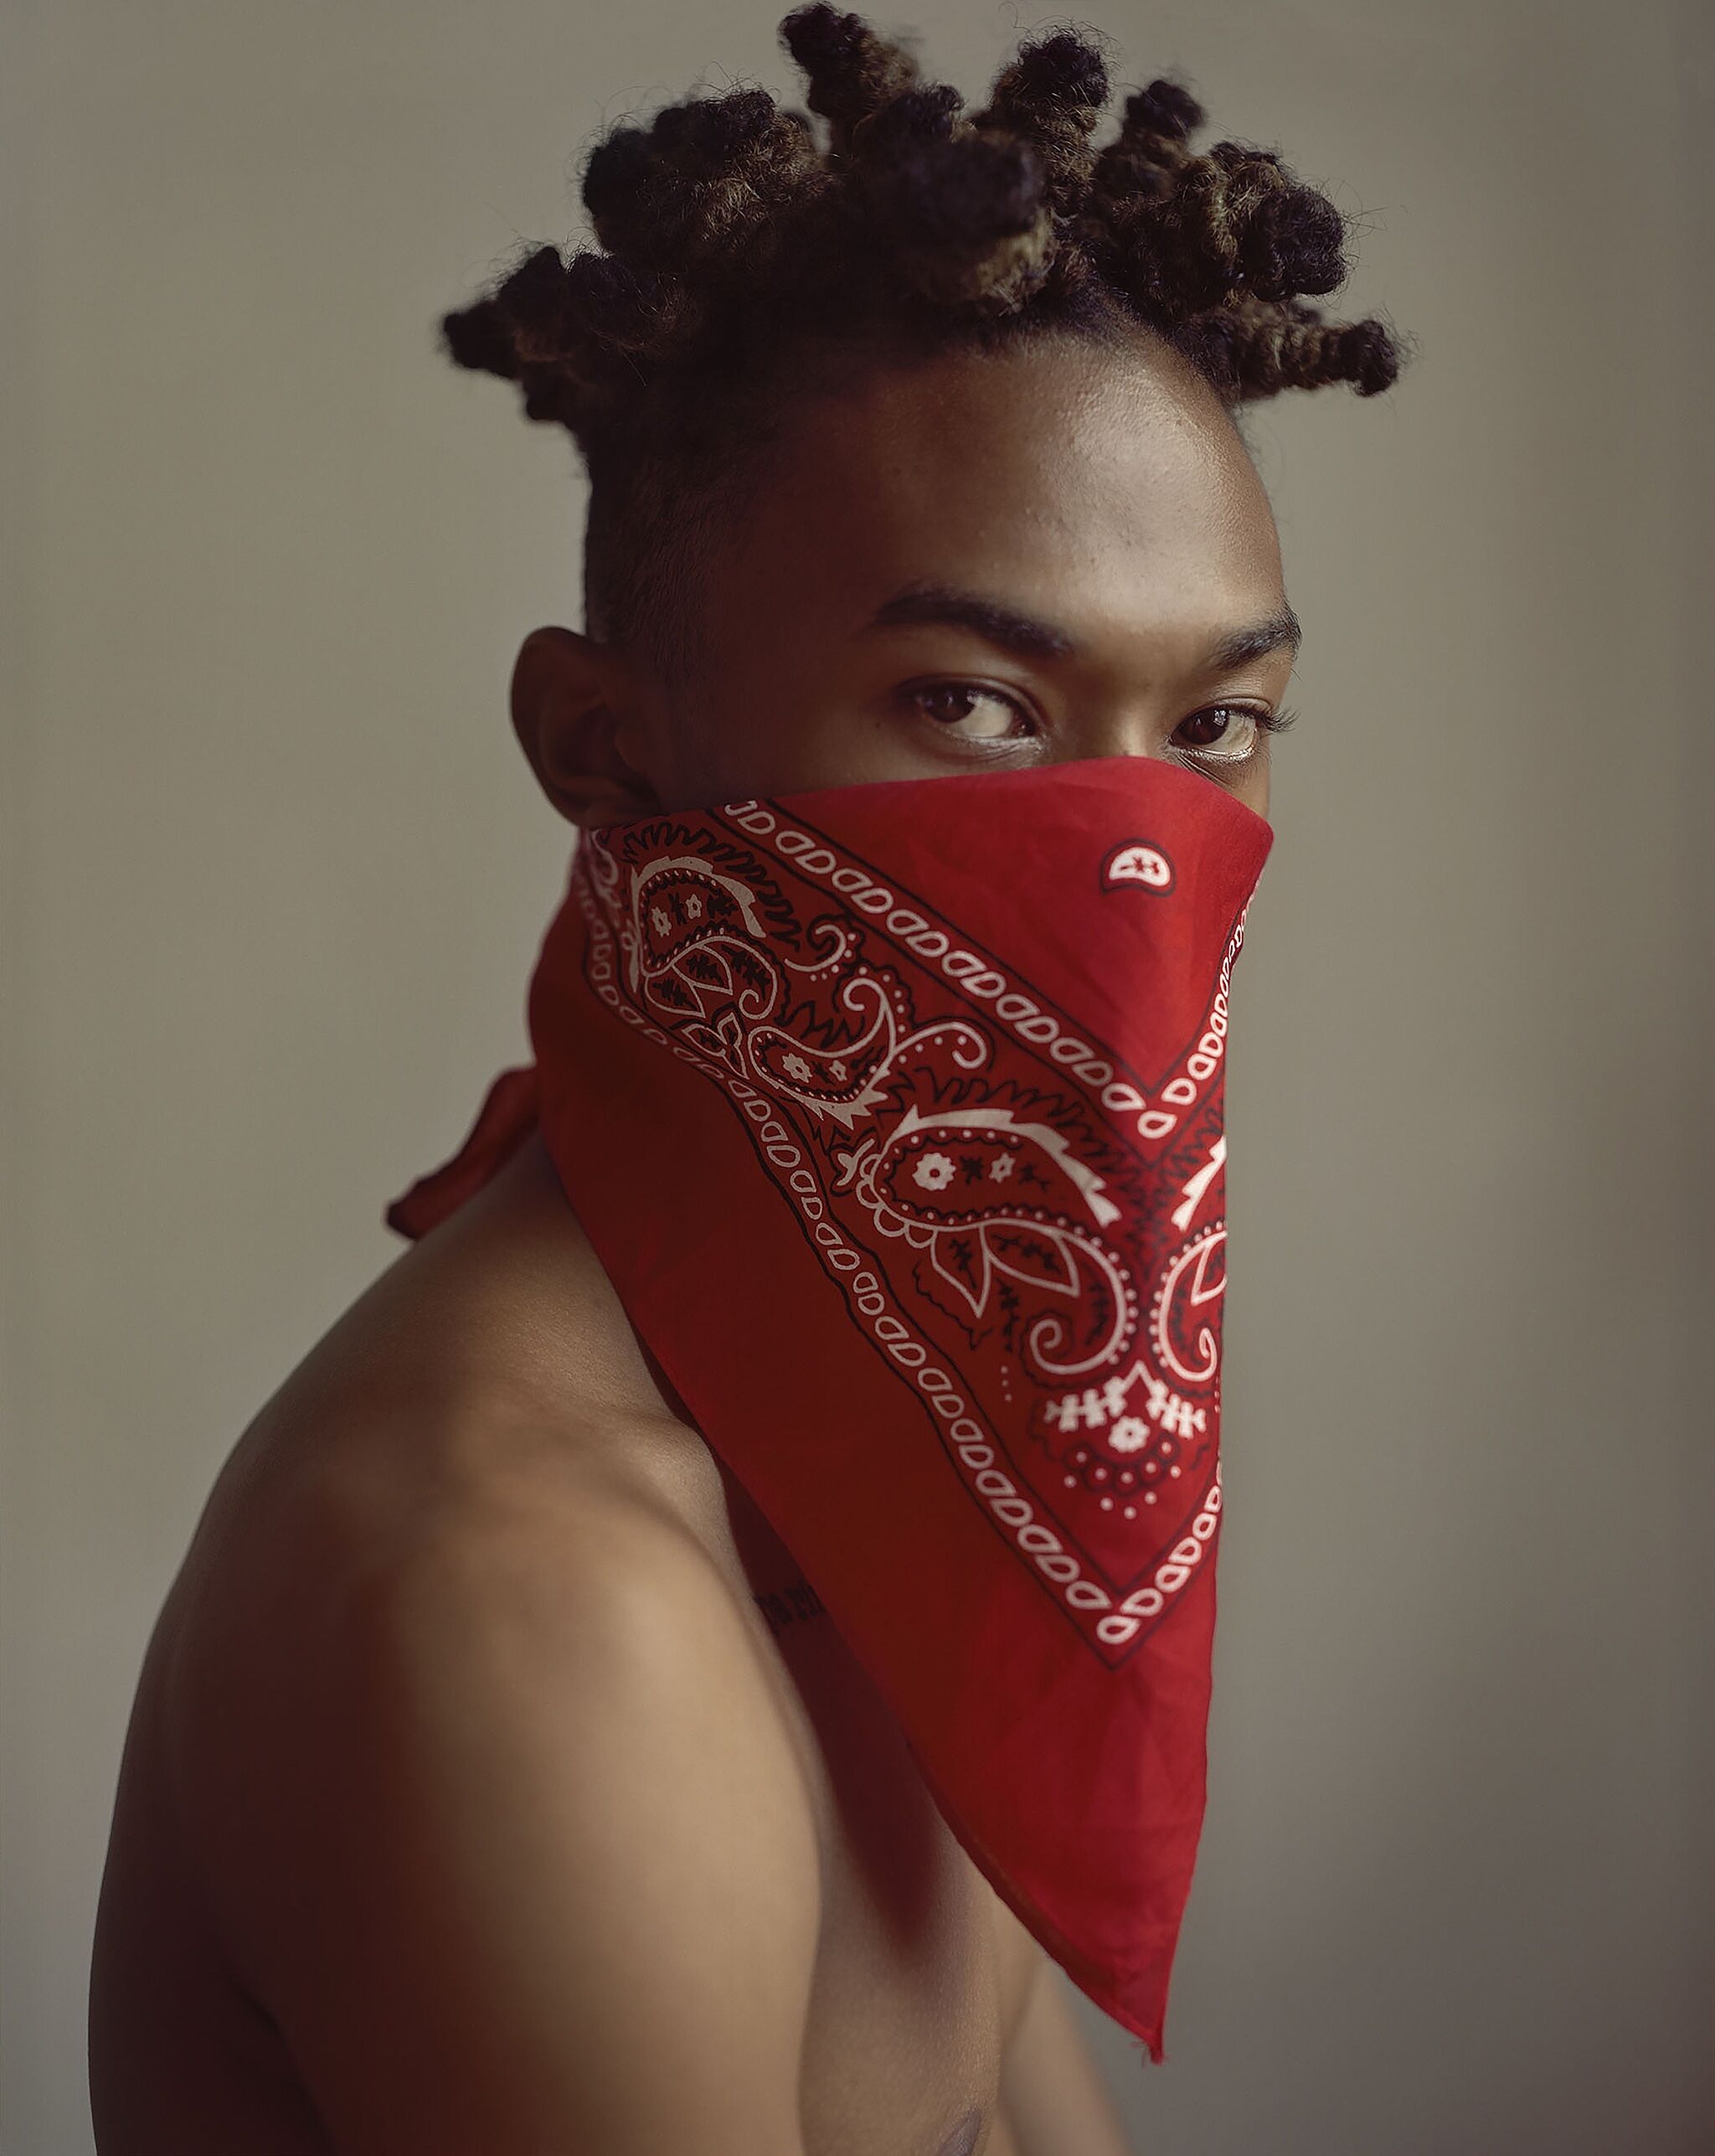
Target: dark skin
<point>470,1798</point>
<point>1110,499</point>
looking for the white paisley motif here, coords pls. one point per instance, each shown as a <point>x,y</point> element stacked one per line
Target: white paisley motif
<point>1062,1258</point>
<point>1194,1282</point>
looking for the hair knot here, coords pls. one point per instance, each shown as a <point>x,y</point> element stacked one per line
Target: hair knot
<point>735,253</point>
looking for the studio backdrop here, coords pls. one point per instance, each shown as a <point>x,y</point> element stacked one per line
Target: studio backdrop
<point>274,871</point>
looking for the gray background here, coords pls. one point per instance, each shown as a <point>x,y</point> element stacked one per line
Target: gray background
<point>274,871</point>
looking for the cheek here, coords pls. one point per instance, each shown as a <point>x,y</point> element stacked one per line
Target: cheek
<point>775,747</point>
<point>730,751</point>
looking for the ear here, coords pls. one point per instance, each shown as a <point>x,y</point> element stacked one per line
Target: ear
<point>575,710</point>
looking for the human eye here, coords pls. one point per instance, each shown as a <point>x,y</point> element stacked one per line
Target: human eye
<point>955,708</point>
<point>1228,733</point>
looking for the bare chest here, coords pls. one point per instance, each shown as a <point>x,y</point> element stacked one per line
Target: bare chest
<point>921,1969</point>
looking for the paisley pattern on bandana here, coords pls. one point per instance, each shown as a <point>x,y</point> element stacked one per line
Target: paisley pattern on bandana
<point>931,1259</point>
<point>1029,1232</point>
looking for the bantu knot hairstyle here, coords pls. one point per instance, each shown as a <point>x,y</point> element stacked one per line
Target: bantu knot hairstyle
<point>744,254</point>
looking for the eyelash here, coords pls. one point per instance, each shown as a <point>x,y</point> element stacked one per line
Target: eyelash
<point>1267,722</point>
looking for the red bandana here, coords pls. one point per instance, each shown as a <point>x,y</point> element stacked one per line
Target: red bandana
<point>893,1113</point>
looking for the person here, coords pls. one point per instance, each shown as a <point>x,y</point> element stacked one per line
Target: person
<point>497,1780</point>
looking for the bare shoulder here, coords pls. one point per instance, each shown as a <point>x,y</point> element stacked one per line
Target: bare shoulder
<point>476,1747</point>
<point>478,1425</point>
<point>455,1562</point>
<point>489,1785</point>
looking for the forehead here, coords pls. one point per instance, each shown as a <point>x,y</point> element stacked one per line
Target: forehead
<point>1102,488</point>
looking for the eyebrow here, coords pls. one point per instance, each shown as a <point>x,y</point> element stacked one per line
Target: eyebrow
<point>1031,637</point>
